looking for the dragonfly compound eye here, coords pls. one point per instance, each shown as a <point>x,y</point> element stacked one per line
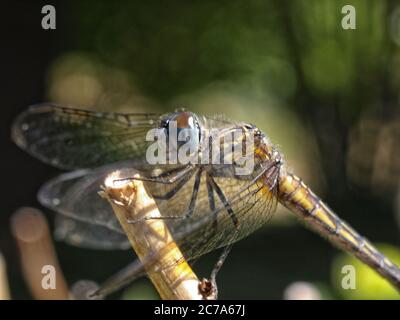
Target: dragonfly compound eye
<point>183,131</point>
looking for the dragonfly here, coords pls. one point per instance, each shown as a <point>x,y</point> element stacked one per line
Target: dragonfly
<point>207,206</point>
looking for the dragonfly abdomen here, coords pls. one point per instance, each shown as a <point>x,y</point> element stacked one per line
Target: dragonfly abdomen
<point>299,198</point>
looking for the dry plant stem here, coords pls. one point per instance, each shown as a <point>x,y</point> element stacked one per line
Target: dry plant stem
<point>4,289</point>
<point>130,201</point>
<point>35,244</point>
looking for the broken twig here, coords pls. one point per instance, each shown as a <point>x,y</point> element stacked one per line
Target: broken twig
<point>170,273</point>
<point>38,258</point>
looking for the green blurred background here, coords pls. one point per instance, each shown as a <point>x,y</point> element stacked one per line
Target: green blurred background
<point>328,97</point>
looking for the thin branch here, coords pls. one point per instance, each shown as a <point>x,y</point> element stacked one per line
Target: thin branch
<point>36,249</point>
<point>4,289</point>
<point>173,278</point>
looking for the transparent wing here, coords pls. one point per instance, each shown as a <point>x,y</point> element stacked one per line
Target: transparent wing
<point>90,236</point>
<point>250,199</point>
<point>252,205</point>
<point>72,139</point>
<point>85,219</point>
<point>75,195</point>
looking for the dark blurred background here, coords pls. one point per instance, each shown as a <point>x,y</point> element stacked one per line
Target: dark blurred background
<point>328,97</point>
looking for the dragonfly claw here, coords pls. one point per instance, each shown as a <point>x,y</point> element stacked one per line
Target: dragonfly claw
<point>208,289</point>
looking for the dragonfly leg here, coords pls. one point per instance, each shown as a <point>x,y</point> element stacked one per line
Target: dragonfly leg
<point>168,195</point>
<point>211,185</point>
<point>217,267</point>
<point>211,201</point>
<point>193,199</point>
<point>225,202</point>
<point>184,179</point>
<point>194,193</point>
<point>165,177</point>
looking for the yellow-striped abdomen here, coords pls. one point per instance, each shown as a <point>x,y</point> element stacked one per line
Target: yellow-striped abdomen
<point>296,196</point>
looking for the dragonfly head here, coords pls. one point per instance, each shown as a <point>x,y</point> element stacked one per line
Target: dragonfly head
<point>185,127</point>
